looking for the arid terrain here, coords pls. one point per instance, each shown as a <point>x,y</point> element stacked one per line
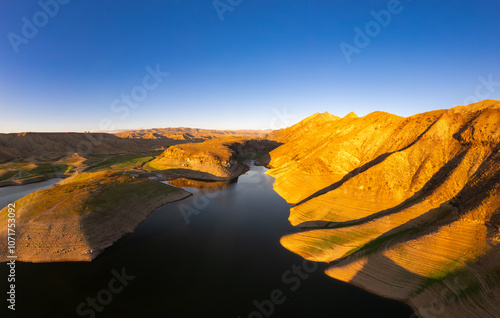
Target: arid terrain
<point>110,189</point>
<point>33,157</point>
<point>406,208</point>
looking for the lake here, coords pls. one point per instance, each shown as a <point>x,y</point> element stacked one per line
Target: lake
<point>215,254</point>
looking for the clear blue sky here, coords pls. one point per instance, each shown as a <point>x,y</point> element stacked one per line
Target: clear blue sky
<point>238,72</point>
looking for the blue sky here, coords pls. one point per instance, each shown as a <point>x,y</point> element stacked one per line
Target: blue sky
<point>265,64</point>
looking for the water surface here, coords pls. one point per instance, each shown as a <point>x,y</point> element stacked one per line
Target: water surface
<point>218,258</point>
<point>13,193</point>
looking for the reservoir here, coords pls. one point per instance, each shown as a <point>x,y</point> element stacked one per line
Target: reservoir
<point>215,254</point>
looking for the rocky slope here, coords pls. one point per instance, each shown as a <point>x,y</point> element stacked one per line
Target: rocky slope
<point>217,159</point>
<point>76,219</point>
<point>407,208</point>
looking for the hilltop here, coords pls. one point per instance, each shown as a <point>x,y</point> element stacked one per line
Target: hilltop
<point>216,159</point>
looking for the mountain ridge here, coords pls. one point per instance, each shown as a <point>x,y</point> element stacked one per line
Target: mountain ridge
<point>400,206</point>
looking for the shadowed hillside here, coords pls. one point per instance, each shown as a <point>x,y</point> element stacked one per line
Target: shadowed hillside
<point>407,208</point>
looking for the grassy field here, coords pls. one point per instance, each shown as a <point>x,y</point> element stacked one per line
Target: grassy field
<point>22,171</point>
<point>95,195</point>
<point>119,162</point>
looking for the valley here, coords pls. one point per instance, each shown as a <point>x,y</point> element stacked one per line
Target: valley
<point>403,207</point>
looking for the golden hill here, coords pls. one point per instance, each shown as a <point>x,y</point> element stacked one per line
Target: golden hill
<point>407,208</point>
<point>216,159</point>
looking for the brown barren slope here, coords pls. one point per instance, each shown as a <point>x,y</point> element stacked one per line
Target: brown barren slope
<point>408,208</point>
<point>54,145</point>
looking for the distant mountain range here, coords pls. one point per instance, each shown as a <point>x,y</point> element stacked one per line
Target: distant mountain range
<point>52,145</point>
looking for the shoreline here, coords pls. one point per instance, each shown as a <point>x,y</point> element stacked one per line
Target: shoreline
<point>20,182</point>
<point>79,219</point>
<point>96,254</point>
<point>97,251</point>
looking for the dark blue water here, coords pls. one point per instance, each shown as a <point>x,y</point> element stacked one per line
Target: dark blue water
<point>221,257</point>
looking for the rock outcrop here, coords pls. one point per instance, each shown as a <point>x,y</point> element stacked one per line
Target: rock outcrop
<point>407,208</point>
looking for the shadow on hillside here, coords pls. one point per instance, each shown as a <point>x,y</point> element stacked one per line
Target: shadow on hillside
<point>473,285</point>
<point>421,195</point>
<point>475,193</point>
<point>363,168</point>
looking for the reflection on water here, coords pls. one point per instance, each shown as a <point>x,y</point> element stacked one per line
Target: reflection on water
<point>194,185</point>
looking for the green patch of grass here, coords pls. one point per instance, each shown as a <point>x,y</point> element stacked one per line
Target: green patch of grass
<point>119,162</point>
<point>80,176</point>
<point>334,240</point>
<point>132,163</point>
<point>48,168</point>
<point>377,244</point>
<point>463,283</point>
<point>7,175</point>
